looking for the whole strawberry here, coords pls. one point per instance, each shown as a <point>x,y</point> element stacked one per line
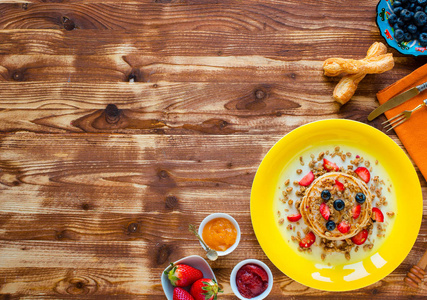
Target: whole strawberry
<point>183,275</point>
<point>181,294</point>
<point>205,289</point>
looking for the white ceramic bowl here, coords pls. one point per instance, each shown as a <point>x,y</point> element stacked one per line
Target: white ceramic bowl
<point>232,220</point>
<point>255,262</point>
<point>194,261</point>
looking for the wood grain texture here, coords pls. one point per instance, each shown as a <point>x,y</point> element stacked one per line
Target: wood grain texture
<point>132,184</point>
<point>220,17</point>
<point>120,121</point>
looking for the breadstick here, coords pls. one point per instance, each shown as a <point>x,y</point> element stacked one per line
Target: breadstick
<point>372,65</point>
<point>347,86</point>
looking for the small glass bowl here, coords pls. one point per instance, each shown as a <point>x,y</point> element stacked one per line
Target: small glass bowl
<point>225,216</point>
<point>255,262</point>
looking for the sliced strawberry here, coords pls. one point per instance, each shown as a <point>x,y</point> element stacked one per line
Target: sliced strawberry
<point>329,166</point>
<point>307,179</point>
<point>308,240</point>
<point>324,211</point>
<point>363,174</point>
<point>294,218</point>
<point>377,215</point>
<point>339,185</point>
<point>356,211</point>
<point>360,238</point>
<point>344,226</point>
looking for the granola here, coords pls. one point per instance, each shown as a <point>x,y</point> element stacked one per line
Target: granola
<point>326,225</point>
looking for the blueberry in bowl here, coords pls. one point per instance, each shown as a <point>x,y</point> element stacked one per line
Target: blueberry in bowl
<point>403,25</point>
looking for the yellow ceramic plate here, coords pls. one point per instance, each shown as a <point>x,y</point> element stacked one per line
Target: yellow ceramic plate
<point>375,264</point>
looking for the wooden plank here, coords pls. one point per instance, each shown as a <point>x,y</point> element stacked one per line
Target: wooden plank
<point>221,17</point>
<point>182,108</point>
<point>292,44</point>
<point>142,173</point>
<point>149,69</point>
<point>154,69</point>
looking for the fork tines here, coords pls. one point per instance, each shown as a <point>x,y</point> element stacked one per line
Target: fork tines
<point>395,121</point>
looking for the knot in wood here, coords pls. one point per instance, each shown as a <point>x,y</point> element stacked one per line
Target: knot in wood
<point>171,202</point>
<point>59,235</point>
<point>112,114</point>
<point>68,23</point>
<point>18,75</point>
<point>133,227</point>
<point>259,94</point>
<point>163,254</point>
<point>85,206</point>
<point>132,77</point>
<point>80,285</point>
<point>223,124</point>
<point>163,174</point>
<point>25,6</point>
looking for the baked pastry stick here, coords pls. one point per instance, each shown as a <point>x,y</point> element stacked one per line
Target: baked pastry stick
<point>347,86</point>
<point>373,65</point>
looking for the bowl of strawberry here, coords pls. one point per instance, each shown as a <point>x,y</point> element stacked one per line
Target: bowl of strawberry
<point>190,278</point>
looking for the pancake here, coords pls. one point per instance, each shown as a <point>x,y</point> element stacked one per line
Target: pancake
<point>310,205</point>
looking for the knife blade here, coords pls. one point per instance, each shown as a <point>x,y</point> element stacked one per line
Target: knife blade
<point>397,100</point>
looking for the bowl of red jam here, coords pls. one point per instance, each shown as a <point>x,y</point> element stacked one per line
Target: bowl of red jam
<point>251,279</point>
<point>220,232</point>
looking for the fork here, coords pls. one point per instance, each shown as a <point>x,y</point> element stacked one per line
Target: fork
<point>402,117</point>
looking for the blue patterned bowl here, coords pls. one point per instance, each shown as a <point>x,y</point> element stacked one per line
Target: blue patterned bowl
<point>384,9</point>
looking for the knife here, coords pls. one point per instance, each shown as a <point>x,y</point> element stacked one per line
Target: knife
<point>397,100</point>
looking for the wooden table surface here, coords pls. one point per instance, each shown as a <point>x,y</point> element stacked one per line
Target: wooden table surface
<point>124,121</point>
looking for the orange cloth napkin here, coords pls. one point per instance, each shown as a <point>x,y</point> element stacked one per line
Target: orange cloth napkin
<point>413,132</point>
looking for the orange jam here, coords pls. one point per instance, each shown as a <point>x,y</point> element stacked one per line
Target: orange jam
<point>219,234</point>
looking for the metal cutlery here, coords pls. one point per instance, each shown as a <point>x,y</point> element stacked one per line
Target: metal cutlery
<point>397,100</point>
<point>402,117</point>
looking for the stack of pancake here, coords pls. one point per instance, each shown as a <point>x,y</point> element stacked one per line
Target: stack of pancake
<point>310,205</point>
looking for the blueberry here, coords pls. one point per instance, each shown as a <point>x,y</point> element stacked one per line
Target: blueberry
<point>330,225</point>
<point>420,18</point>
<point>397,4</point>
<point>399,35</point>
<point>407,37</point>
<point>396,26</point>
<point>411,6</point>
<point>405,15</point>
<point>397,10</point>
<point>422,2</point>
<point>326,195</point>
<point>360,198</point>
<point>339,204</point>
<point>399,22</point>
<point>423,39</point>
<point>419,8</point>
<point>412,28</point>
<point>392,19</point>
